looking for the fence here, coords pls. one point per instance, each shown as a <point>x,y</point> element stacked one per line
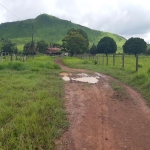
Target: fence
<point>106,59</point>
<point>14,57</point>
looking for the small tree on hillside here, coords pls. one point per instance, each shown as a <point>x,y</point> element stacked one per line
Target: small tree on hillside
<point>41,46</point>
<point>106,45</point>
<point>29,48</point>
<point>135,46</point>
<point>93,49</point>
<point>76,42</point>
<point>8,46</point>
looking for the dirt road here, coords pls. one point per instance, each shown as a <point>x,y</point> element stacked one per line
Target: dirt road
<point>103,119</point>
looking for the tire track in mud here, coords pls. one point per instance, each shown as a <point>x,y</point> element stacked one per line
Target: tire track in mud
<point>104,117</point>
<point>99,120</point>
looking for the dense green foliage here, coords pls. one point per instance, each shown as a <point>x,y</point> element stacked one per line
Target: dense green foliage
<point>93,49</point>
<point>106,46</point>
<point>51,30</point>
<point>135,46</point>
<point>75,42</point>
<point>139,80</point>
<point>8,47</point>
<point>31,106</point>
<point>41,46</point>
<point>29,48</point>
<point>147,52</point>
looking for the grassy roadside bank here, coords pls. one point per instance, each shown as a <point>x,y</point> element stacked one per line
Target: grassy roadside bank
<point>139,80</point>
<point>31,102</point>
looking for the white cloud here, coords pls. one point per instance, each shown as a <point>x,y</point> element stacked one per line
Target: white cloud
<point>123,17</point>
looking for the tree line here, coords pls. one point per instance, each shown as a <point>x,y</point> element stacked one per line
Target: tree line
<point>30,48</point>
<point>76,42</point>
<point>132,46</point>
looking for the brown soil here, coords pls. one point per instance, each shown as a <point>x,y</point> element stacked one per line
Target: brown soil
<point>103,119</point>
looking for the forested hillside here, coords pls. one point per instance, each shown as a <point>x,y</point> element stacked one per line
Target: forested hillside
<point>51,29</point>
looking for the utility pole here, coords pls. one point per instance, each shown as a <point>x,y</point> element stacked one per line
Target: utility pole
<point>32,40</point>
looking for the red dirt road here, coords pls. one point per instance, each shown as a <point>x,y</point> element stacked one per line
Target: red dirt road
<point>102,119</point>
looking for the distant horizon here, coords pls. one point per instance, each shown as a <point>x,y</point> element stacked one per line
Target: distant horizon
<point>148,42</point>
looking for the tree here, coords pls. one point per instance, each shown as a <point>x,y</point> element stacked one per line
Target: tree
<point>76,42</point>
<point>8,47</point>
<point>135,46</point>
<point>147,52</point>
<point>55,45</point>
<point>106,45</point>
<point>93,49</point>
<point>80,31</point>
<point>42,46</point>
<point>29,48</point>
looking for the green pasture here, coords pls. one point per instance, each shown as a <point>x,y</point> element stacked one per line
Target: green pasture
<point>32,113</point>
<point>139,80</point>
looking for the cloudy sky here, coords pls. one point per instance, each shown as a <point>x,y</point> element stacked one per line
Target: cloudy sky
<point>129,18</point>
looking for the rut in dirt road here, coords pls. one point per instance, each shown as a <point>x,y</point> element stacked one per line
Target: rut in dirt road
<point>102,119</point>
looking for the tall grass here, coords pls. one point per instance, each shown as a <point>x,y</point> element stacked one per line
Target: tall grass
<point>139,80</point>
<point>31,103</point>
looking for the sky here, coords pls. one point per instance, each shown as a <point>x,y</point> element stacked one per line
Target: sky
<point>128,18</point>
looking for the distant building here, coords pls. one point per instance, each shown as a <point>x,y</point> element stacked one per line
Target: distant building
<point>53,51</point>
<point>65,54</point>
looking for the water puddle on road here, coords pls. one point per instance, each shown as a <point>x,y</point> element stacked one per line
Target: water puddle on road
<point>82,77</point>
<point>65,78</point>
<point>86,79</point>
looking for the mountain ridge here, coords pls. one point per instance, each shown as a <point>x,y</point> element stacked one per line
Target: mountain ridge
<point>51,29</point>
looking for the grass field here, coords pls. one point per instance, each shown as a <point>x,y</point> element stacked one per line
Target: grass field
<point>139,80</point>
<point>32,113</point>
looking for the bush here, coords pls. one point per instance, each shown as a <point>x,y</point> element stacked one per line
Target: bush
<point>16,66</point>
<point>86,62</point>
<point>1,66</point>
<point>140,65</point>
<point>148,71</point>
<point>95,62</point>
<point>139,79</point>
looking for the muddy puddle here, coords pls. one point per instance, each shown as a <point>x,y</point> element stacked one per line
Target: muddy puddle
<point>82,77</point>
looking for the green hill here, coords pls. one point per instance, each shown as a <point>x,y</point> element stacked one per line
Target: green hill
<point>50,29</point>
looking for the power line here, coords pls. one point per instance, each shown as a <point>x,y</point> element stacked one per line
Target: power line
<point>10,11</point>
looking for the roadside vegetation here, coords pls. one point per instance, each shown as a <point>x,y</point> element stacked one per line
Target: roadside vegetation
<point>139,80</point>
<point>32,114</point>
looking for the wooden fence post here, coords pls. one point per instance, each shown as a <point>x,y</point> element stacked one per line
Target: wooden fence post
<point>107,59</point>
<point>137,62</point>
<point>16,57</point>
<point>23,57</point>
<point>103,60</point>
<point>10,57</point>
<point>122,61</point>
<point>113,59</point>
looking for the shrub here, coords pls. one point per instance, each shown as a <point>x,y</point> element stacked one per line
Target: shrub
<point>1,66</point>
<point>86,62</point>
<point>140,65</point>
<point>16,66</point>
<point>148,71</point>
<point>139,79</point>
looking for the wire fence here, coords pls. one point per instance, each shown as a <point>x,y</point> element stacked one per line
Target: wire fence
<point>114,59</point>
<point>14,57</point>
